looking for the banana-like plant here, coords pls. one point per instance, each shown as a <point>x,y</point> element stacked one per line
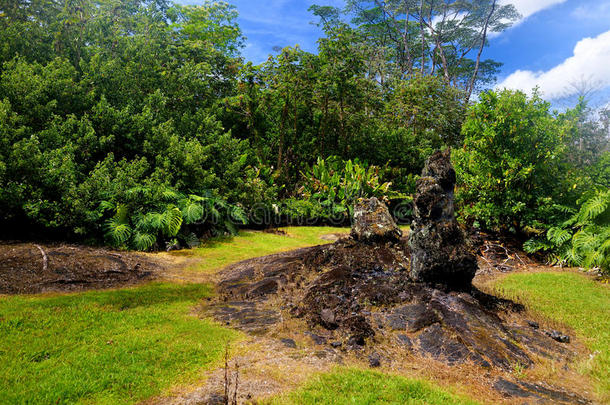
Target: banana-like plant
<point>336,184</point>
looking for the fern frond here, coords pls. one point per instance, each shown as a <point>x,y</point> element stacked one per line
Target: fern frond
<point>231,227</point>
<point>535,245</point>
<point>106,206</point>
<point>238,214</point>
<point>558,236</point>
<point>593,258</point>
<point>594,207</point>
<point>585,241</point>
<point>118,232</point>
<point>143,241</point>
<point>172,220</point>
<point>152,222</point>
<point>170,195</point>
<point>137,191</point>
<point>572,257</point>
<point>192,212</point>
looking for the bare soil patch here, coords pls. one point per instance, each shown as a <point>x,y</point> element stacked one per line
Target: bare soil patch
<point>27,268</point>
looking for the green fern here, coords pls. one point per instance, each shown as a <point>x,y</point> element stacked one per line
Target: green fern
<point>192,211</point>
<point>594,207</point>
<point>559,236</point>
<point>172,219</point>
<point>117,231</point>
<point>582,240</point>
<point>143,241</point>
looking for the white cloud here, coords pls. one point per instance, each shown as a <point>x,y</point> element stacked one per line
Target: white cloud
<point>590,12</point>
<point>590,61</point>
<point>529,7</point>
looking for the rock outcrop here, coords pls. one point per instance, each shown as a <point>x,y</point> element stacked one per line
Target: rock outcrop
<point>379,295</point>
<point>439,252</point>
<point>373,222</point>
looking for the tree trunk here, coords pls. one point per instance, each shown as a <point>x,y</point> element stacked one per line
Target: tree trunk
<point>476,66</point>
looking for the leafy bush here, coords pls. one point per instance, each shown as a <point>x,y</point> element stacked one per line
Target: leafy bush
<point>335,185</point>
<point>584,239</point>
<point>149,217</point>
<point>510,170</point>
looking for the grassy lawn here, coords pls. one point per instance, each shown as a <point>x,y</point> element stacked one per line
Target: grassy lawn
<point>104,347</point>
<point>355,386</point>
<point>576,301</point>
<point>219,252</point>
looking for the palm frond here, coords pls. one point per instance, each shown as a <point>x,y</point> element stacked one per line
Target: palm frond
<point>143,241</point>
<point>117,231</point>
<point>172,220</point>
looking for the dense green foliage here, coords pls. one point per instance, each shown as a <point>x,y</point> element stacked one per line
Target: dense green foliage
<point>137,124</point>
<point>509,162</point>
<point>111,347</point>
<point>584,239</point>
<point>108,121</point>
<point>525,170</point>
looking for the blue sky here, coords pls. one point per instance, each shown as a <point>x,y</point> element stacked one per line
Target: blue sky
<point>558,42</point>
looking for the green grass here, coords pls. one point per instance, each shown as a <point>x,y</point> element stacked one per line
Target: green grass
<point>576,301</point>
<point>105,347</point>
<point>219,252</point>
<point>355,386</point>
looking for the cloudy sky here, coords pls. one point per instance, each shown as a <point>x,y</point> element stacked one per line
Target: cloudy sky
<point>556,44</point>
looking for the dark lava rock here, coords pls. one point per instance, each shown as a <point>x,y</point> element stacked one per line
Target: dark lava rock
<point>317,339</point>
<point>537,392</point>
<point>439,251</point>
<point>555,335</point>
<point>416,316</point>
<point>349,286</point>
<point>215,399</point>
<point>27,268</point>
<point>374,360</point>
<point>361,292</point>
<point>405,341</point>
<point>373,222</point>
<point>511,389</point>
<point>245,315</point>
<point>289,343</point>
<point>336,344</point>
<point>328,318</point>
<point>533,324</point>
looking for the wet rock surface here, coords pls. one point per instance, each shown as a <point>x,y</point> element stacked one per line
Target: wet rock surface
<point>27,268</point>
<point>440,254</point>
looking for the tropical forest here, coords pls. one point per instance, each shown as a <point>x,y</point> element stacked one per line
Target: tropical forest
<point>379,215</point>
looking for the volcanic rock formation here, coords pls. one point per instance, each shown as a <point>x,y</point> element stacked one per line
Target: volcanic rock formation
<point>373,222</point>
<point>439,252</point>
<point>375,292</point>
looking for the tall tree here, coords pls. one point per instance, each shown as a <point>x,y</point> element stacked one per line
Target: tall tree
<point>433,37</point>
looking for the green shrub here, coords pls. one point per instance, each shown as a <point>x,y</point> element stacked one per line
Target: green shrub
<point>510,170</point>
<point>335,185</point>
<point>148,217</point>
<point>584,239</point>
